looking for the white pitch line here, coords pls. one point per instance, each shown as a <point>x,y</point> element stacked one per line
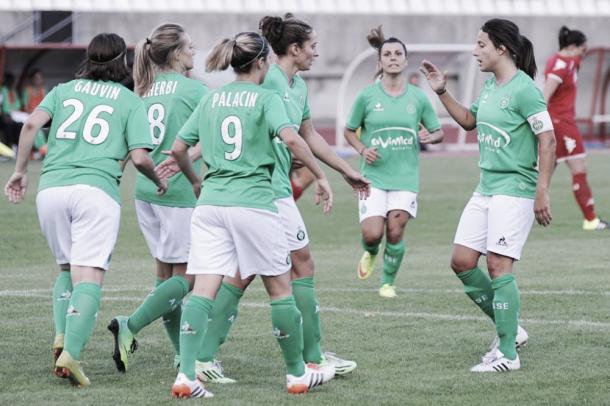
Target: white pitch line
<point>371,313</point>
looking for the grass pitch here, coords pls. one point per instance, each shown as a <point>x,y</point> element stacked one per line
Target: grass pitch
<point>416,349</point>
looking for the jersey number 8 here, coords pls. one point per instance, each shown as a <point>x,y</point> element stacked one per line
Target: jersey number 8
<point>156,114</point>
<point>90,123</point>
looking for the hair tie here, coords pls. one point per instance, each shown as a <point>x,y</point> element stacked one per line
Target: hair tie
<point>148,41</point>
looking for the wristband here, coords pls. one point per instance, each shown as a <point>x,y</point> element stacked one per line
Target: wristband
<point>442,91</point>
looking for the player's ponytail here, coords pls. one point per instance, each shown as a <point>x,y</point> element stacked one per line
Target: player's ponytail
<point>525,59</point>
<point>569,37</point>
<point>240,53</point>
<point>160,50</point>
<point>505,33</point>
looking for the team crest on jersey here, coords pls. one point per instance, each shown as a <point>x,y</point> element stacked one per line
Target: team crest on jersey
<point>537,124</point>
<point>410,108</point>
<point>504,102</point>
<point>378,107</point>
<point>301,234</point>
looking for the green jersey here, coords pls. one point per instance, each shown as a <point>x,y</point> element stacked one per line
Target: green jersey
<point>295,100</point>
<point>95,124</point>
<point>169,103</point>
<point>235,125</point>
<point>507,144</point>
<point>391,124</point>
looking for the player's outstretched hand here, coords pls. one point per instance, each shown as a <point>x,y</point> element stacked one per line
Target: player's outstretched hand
<point>167,168</point>
<point>324,194</point>
<point>360,184</point>
<point>16,187</point>
<point>436,79</point>
<point>542,208</point>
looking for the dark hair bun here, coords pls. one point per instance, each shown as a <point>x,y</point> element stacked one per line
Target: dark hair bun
<point>272,28</point>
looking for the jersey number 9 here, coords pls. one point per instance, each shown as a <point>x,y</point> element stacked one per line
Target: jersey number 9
<point>234,139</point>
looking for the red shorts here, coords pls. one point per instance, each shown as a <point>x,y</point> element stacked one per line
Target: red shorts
<point>569,141</point>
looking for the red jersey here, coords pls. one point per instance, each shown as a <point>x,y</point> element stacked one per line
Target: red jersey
<point>563,69</point>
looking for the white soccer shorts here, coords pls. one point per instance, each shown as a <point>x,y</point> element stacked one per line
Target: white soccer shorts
<point>166,230</point>
<point>80,224</point>
<point>296,233</point>
<point>225,239</point>
<point>381,202</point>
<point>498,224</point>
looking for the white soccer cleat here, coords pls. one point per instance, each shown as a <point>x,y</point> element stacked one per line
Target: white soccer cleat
<point>520,342</point>
<point>499,364</point>
<point>185,388</point>
<point>315,375</point>
<point>211,372</point>
<point>342,366</point>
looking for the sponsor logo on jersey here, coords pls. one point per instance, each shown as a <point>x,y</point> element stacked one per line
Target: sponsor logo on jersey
<point>286,97</point>
<point>378,107</point>
<point>484,98</point>
<point>288,259</point>
<point>502,242</point>
<point>395,143</point>
<point>410,108</point>
<point>492,137</point>
<point>279,334</point>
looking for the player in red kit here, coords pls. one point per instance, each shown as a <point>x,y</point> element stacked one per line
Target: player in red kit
<point>561,74</point>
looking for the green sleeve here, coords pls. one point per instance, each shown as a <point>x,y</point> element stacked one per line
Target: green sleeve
<point>275,114</point>
<point>356,116</point>
<point>49,103</point>
<point>530,101</point>
<point>189,133</point>
<point>474,107</point>
<point>137,129</point>
<point>306,109</point>
<point>428,115</point>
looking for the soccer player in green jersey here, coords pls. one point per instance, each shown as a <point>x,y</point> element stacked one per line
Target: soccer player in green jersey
<point>236,224</point>
<point>97,122</point>
<point>517,157</point>
<point>161,61</point>
<point>389,114</point>
<point>294,42</point>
